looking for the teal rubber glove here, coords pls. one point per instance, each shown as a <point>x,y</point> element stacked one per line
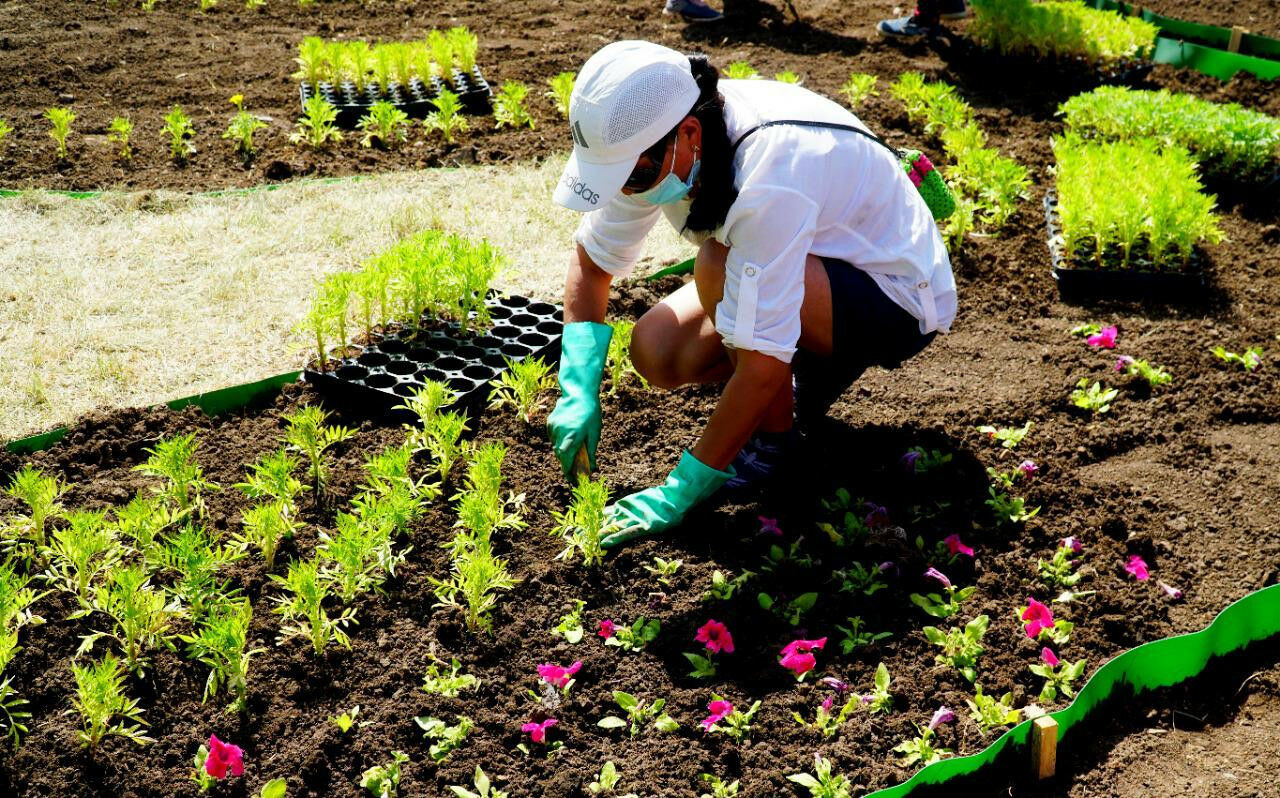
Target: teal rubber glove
<point>575,421</point>
<point>658,509</point>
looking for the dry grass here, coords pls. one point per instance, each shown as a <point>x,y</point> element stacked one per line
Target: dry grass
<point>136,298</point>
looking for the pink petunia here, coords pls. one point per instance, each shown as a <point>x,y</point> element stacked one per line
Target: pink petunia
<point>827,703</point>
<point>797,657</point>
<point>1170,591</point>
<point>716,636</point>
<point>1138,567</point>
<point>769,526</point>
<point>1105,339</point>
<point>1049,657</point>
<point>1028,468</point>
<point>835,684</point>
<point>223,756</point>
<point>1072,543</point>
<point>538,731</point>
<point>558,675</point>
<point>607,629</point>
<point>956,546</point>
<point>719,709</point>
<point>1123,362</point>
<point>1038,617</point>
<point>943,715</point>
<point>934,573</point>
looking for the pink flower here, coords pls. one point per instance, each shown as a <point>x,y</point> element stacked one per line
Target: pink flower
<point>1038,617</point>
<point>887,564</point>
<point>1028,468</point>
<point>1123,362</point>
<point>796,656</point>
<point>1106,339</point>
<point>943,715</point>
<point>557,675</point>
<point>835,684</point>
<point>1137,567</point>
<point>769,526</point>
<point>1072,543</point>
<point>956,546</point>
<point>916,179</point>
<point>716,636</point>
<point>538,731</point>
<point>827,703</point>
<point>718,709</point>
<point>223,756</point>
<point>934,573</point>
<point>1049,657</point>
<point>607,629</point>
<point>1170,591</point>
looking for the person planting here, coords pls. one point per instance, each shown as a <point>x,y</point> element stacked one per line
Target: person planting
<point>817,258</point>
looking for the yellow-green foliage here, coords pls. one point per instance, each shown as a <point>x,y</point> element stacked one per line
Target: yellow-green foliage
<point>1060,29</point>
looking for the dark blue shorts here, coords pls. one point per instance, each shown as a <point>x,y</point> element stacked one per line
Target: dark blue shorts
<point>867,329</point>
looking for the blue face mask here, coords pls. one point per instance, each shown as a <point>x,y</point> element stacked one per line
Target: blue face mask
<point>671,188</point>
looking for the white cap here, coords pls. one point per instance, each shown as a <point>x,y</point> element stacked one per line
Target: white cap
<point>628,96</point>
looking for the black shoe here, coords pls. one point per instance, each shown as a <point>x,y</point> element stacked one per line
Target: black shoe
<point>905,28</point>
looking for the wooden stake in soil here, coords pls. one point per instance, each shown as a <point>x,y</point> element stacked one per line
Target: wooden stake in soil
<point>1233,45</point>
<point>1044,747</point>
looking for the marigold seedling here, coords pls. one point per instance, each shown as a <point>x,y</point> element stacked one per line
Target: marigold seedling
<point>178,128</point>
<point>508,105</point>
<point>79,553</point>
<point>446,739</point>
<point>192,558</point>
<point>1060,28</point>
<point>316,127</point>
<point>639,715</point>
<point>14,721</point>
<point>561,91</point>
<point>308,433</point>
<point>104,709</point>
<point>618,359</point>
<point>60,120</point>
<point>383,781</point>
<point>855,638</point>
<point>118,132</point>
<point>243,126</point>
<point>788,77</point>
<point>477,579</point>
<point>960,647</point>
<point>140,615</point>
<point>582,524</point>
<point>858,88</point>
<point>359,555</point>
<point>174,460</point>
<point>465,45</point>
<point>40,492</point>
<point>384,123</point>
<point>303,608</point>
<point>219,640</point>
<point>740,70</point>
<point>520,385</point>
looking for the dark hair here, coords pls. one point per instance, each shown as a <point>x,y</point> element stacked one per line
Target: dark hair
<point>715,178</point>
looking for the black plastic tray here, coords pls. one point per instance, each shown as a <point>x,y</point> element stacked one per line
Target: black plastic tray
<point>416,100</point>
<point>388,370</point>
<point>1079,285</point>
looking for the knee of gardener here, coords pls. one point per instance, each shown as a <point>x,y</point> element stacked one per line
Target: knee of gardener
<point>653,356</point>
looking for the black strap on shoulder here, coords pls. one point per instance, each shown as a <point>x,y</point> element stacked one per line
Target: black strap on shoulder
<point>807,123</point>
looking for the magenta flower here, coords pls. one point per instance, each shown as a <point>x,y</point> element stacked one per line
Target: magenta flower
<point>558,675</point>
<point>835,684</point>
<point>908,461</point>
<point>1137,567</point>
<point>943,715</point>
<point>716,636</point>
<point>1049,657</point>
<point>877,515</point>
<point>769,526</point>
<point>1123,362</point>
<point>934,573</point>
<point>1038,617</point>
<point>887,564</point>
<point>1028,468</point>
<point>223,757</point>
<point>718,709</point>
<point>1072,543</point>
<point>538,731</point>
<point>797,657</point>
<point>607,629</point>
<point>1106,339</point>
<point>827,703</point>
<point>1170,591</point>
<point>956,546</point>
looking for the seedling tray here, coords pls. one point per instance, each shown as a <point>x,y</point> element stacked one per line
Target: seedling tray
<point>473,90</point>
<point>1082,284</point>
<point>386,371</point>
<point>416,99</point>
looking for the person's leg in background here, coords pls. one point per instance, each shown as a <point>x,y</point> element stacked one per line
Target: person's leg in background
<point>926,21</point>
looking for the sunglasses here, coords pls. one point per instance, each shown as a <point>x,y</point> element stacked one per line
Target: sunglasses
<point>642,177</point>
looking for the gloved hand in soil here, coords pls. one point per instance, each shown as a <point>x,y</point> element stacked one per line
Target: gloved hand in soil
<point>658,509</point>
<point>575,421</point>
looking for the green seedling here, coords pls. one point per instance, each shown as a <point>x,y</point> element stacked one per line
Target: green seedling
<point>858,88</point>
<point>508,105</point>
<point>860,579</point>
<point>15,717</point>
<point>990,713</point>
<point>118,132</point>
<point>919,460</point>
<point>824,782</point>
<point>618,359</point>
<point>265,525</point>
<point>5,130</point>
<point>571,627</point>
<point>307,433</point>
<point>788,77</point>
<point>60,120</point>
<point>791,610</point>
<point>243,126</point>
<point>1058,678</point>
<point>1008,437</point>
<point>192,557</point>
<point>316,127</point>
<point>447,680</point>
<point>880,699</point>
<point>447,739</point>
<point>825,720</point>
<point>520,386</point>
<point>178,127</point>
<point>607,780</point>
<point>935,605</point>
<point>484,788</point>
<point>740,70</point>
<point>477,579</point>
<point>1007,508</point>
<point>41,494</point>
<point>104,709</point>
<point>960,647</point>
<point>347,720</point>
<point>582,524</point>
<point>465,45</point>
<point>1093,397</point>
<point>16,598</point>
<point>1059,571</point>
<point>140,616</point>
<point>1062,29</point>
<point>562,91</point>
<point>174,460</point>
<point>79,553</point>
<point>719,787</point>
<point>855,638</point>
<point>143,520</point>
<point>271,476</point>
<point>388,473</point>
<point>1250,360</point>
<point>359,556</point>
<point>736,724</point>
<point>219,641</point>
<point>303,609</point>
<point>636,636</point>
<point>1154,375</point>
<point>385,124</point>
<point>662,570</point>
<point>383,781</point>
<point>639,715</point>
<point>961,223</point>
<point>922,750</point>
<point>722,587</point>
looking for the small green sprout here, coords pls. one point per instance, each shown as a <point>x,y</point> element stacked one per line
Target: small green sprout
<point>1007,508</point>
<point>880,699</point>
<point>104,709</point>
<point>519,386</point>
<point>174,460</point>
<point>140,615</point>
<point>118,132</point>
<point>447,118</point>
<point>921,750</point>
<point>40,493</point>
<point>636,636</point>
<point>582,524</point>
<point>484,788</point>
<point>438,681</point>
<point>60,119</point>
<point>791,610</point>
<point>639,715</point>
<point>1250,360</point>
<point>5,130</point>
<point>347,720</point>
<point>571,626</point>
<point>824,783</point>
<point>663,570</point>
<point>508,105</point>
<point>1154,375</point>
<point>307,433</point>
<point>618,359</point>
<point>740,70</point>
<point>303,610</point>
<point>990,713</point>
<point>1009,437</point>
<point>858,88</point>
<point>178,127</point>
<point>855,638</point>
<point>960,647</point>
<point>383,781</point>
<point>788,77</point>
<point>385,123</point>
<point>316,127</point>
<point>1058,676</point>
<point>722,587</point>
<point>562,91</point>
<point>219,641</point>
<point>719,787</point>
<point>1092,397</point>
<point>607,780</point>
<point>447,739</point>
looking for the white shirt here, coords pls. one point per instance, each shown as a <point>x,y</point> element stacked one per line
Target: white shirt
<point>801,191</point>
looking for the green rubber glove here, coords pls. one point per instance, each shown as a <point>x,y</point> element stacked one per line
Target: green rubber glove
<point>658,509</point>
<point>575,421</point>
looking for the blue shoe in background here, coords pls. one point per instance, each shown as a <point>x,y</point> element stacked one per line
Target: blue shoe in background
<point>692,11</point>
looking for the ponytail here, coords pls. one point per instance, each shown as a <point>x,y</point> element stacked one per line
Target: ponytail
<point>716,192</point>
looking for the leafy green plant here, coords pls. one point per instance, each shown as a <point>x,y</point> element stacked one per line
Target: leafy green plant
<point>570,626</point>
<point>508,105</point>
<point>935,605</point>
<point>788,77</point>
<point>264,526</point>
<point>635,637</point>
<point>582,525</point>
<point>178,127</point>
<point>519,386</point>
<point>740,70</point>
<point>922,750</point>
<point>385,123</point>
<point>16,598</point>
<point>880,699</point>
<point>347,720</point>
<point>1058,678</point>
<point>1250,360</point>
<point>662,570</point>
<point>174,460</point>
<point>1058,28</point>
<point>308,433</point>
<point>118,132</point>
<point>193,557</point>
<point>618,359</point>
<point>243,126</point>
<point>861,579</point>
<point>383,781</point>
<point>858,88</point>
<point>464,44</point>
<point>60,120</point>
<point>827,721</point>
<point>561,91</point>
<point>825,782</point>
<point>104,709</point>
<point>722,587</point>
<point>1007,508</point>
<point>40,493</point>
<point>79,553</point>
<point>140,615</point>
<point>1092,397</point>
<point>303,608</point>
<point>14,722</point>
<point>477,579</point>
<point>484,788</point>
<point>790,610</point>
<point>735,723</point>
<point>447,739</point>
<point>607,780</point>
<point>316,127</point>
<point>719,787</point>
<point>359,555</point>
<point>447,682</point>
<point>1008,437</point>
<point>5,130</point>
<point>219,641</point>
<point>992,713</point>
<point>143,520</point>
<point>855,638</point>
<point>1059,571</point>
<point>639,715</point>
<point>960,647</point>
<point>271,476</point>
<point>1154,375</point>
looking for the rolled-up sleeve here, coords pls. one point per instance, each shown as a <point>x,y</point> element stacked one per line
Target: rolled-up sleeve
<point>614,235</point>
<point>769,232</point>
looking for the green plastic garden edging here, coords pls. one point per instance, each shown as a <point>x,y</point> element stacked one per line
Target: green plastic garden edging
<point>1160,663</point>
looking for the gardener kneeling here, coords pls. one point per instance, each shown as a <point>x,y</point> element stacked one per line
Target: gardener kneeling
<point>817,259</point>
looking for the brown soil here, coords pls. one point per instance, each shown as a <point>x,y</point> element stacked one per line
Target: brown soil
<point>1260,18</point>
<point>1185,477</point>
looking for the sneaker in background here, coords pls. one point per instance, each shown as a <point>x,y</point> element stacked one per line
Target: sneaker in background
<point>692,11</point>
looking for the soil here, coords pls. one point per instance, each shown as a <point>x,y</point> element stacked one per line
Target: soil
<point>1184,476</point>
<point>108,60</point>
